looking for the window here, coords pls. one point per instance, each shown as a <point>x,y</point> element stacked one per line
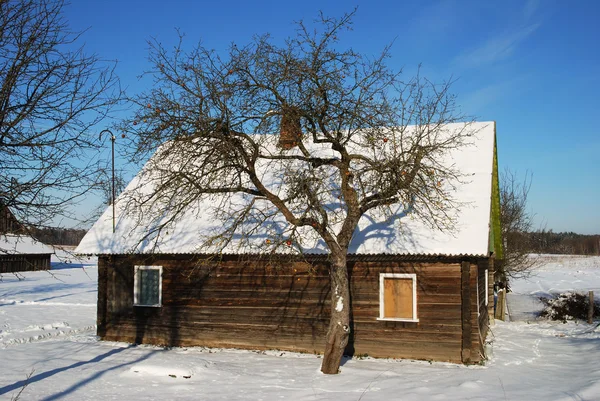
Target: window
<point>398,297</point>
<point>147,286</point>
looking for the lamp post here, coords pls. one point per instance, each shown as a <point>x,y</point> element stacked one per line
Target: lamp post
<point>112,139</point>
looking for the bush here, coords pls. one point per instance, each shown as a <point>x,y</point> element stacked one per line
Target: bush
<point>568,306</point>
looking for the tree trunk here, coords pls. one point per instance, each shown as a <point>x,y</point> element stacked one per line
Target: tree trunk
<point>339,325</point>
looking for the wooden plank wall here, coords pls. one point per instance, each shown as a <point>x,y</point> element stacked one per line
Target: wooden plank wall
<point>8,222</point>
<point>438,333</point>
<point>101,307</point>
<point>260,305</point>
<point>466,312</point>
<point>22,263</point>
<point>491,273</point>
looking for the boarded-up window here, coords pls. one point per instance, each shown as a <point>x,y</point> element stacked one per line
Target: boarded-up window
<point>398,297</point>
<point>147,286</point>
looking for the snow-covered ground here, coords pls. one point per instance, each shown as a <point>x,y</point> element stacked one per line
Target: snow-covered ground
<point>47,332</point>
<point>49,304</point>
<point>553,274</point>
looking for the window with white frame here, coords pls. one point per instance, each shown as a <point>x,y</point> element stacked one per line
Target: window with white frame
<point>147,286</point>
<point>398,297</point>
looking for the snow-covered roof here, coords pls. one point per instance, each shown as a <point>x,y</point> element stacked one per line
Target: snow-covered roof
<point>376,234</point>
<point>13,244</point>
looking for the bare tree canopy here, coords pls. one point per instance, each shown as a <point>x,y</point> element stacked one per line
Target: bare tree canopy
<point>516,222</point>
<point>51,95</point>
<point>300,133</point>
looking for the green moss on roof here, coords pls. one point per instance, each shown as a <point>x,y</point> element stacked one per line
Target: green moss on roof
<point>495,242</point>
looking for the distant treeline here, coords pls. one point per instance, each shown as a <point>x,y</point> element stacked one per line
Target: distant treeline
<point>58,236</point>
<point>568,243</point>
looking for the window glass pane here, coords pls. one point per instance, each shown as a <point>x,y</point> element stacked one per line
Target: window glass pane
<point>398,298</point>
<point>149,287</point>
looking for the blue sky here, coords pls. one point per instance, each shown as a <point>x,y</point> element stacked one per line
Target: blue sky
<point>532,66</point>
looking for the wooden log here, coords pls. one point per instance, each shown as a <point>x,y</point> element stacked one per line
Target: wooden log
<point>501,305</point>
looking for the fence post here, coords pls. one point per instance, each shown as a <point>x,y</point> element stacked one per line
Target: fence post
<point>591,308</point>
<point>501,305</point>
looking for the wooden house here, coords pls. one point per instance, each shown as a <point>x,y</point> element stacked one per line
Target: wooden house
<point>18,250</point>
<point>8,222</point>
<point>415,292</point>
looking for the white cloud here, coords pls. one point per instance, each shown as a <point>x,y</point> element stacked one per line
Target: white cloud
<point>530,8</point>
<point>501,46</point>
<point>496,48</point>
<point>472,103</point>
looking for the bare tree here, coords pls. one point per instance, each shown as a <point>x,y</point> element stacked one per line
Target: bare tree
<point>516,222</point>
<point>344,147</point>
<point>104,188</point>
<point>51,95</point>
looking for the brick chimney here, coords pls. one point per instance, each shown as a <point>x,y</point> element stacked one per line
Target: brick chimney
<point>290,130</point>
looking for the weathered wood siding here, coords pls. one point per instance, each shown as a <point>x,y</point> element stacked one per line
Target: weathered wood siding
<point>261,305</point>
<point>22,262</point>
<point>8,222</point>
<point>491,273</point>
